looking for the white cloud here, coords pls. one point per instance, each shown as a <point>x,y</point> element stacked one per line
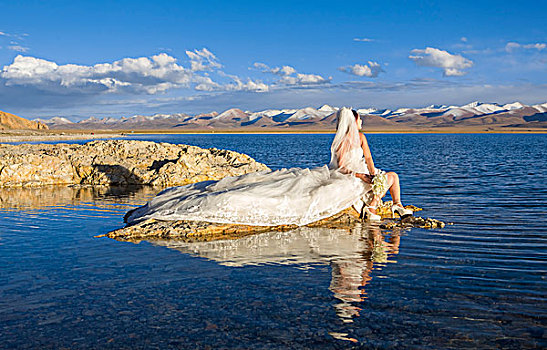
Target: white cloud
<point>237,84</point>
<point>203,60</point>
<point>304,79</point>
<point>18,48</point>
<point>249,85</point>
<point>452,65</point>
<point>367,40</point>
<point>207,85</point>
<point>262,66</point>
<point>14,41</point>
<point>283,71</point>
<point>511,46</point>
<point>149,75</point>
<point>289,75</point>
<point>538,46</point>
<point>464,39</point>
<point>363,70</point>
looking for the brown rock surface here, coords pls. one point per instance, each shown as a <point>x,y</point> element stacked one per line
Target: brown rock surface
<point>118,162</point>
<point>206,231</point>
<point>10,121</point>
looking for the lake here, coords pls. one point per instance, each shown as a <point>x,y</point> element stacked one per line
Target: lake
<point>479,283</point>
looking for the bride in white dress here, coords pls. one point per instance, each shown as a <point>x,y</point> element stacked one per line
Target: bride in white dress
<point>287,196</point>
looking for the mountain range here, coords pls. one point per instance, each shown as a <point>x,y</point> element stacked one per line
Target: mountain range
<point>475,115</point>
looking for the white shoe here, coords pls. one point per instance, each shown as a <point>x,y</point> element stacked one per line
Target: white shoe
<point>399,209</point>
<point>370,216</point>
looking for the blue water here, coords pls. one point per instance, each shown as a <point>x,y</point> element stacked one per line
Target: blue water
<point>477,283</point>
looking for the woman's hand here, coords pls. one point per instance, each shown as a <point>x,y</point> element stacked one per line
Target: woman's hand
<point>365,177</point>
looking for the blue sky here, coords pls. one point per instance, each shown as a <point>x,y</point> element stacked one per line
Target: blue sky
<point>107,58</point>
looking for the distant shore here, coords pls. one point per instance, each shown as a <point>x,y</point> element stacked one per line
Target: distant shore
<point>54,135</point>
<point>367,130</point>
<point>63,135</point>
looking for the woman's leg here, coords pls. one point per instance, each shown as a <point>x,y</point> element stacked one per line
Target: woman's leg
<point>394,189</point>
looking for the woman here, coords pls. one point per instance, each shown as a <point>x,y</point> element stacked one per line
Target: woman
<point>351,155</point>
<point>283,197</point>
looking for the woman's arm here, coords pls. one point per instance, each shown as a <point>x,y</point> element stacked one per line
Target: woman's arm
<point>368,156</point>
<point>366,178</point>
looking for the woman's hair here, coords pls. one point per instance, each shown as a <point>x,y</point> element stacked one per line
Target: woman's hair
<point>355,114</point>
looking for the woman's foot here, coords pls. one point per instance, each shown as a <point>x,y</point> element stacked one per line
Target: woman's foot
<point>399,209</point>
<point>369,214</point>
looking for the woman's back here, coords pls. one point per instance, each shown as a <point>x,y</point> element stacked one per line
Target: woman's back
<point>353,160</point>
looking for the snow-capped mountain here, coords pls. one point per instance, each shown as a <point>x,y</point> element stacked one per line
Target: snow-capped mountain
<point>475,114</point>
<point>55,121</point>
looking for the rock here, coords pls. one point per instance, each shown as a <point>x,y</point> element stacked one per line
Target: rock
<point>206,231</point>
<point>413,221</point>
<point>118,162</point>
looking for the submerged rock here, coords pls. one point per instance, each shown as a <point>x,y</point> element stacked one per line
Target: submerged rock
<point>118,162</point>
<point>206,231</point>
<point>413,221</point>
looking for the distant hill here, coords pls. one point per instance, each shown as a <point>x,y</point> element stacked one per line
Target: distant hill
<point>12,122</point>
<point>473,115</point>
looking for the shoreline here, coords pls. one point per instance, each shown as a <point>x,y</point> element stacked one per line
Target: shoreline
<point>9,136</point>
<point>274,132</point>
<point>369,130</point>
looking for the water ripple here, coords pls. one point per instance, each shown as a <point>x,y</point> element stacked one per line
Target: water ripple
<point>479,283</point>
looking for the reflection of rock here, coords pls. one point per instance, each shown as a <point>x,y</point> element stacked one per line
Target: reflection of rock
<point>62,196</point>
<point>118,162</point>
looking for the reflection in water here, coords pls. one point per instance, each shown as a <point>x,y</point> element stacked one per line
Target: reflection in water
<point>352,255</point>
<point>48,197</point>
<point>478,284</point>
<point>351,275</point>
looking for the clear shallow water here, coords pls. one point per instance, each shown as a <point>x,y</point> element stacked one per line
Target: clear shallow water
<point>478,283</point>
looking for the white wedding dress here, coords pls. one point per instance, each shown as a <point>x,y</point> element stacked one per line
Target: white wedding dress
<point>288,196</point>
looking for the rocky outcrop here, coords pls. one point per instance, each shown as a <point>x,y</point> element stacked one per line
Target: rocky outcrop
<point>205,231</point>
<point>118,162</point>
<point>10,121</point>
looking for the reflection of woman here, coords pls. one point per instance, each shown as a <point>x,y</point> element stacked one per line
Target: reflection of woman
<point>351,155</point>
<point>288,196</point>
<point>350,275</point>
